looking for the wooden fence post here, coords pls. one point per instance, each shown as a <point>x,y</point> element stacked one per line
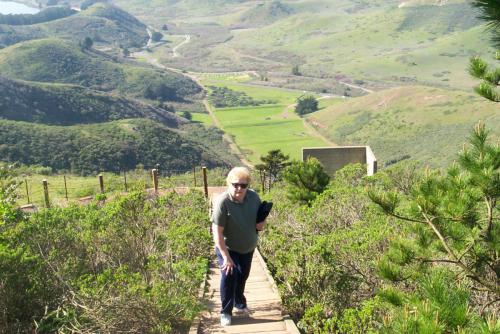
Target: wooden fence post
<point>101,183</point>
<point>205,183</point>
<point>46,193</point>
<point>194,175</point>
<point>154,173</point>
<point>65,187</point>
<point>125,179</point>
<point>262,181</point>
<point>27,191</point>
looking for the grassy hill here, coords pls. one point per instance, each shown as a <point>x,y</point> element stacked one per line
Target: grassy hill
<point>112,146</point>
<point>375,44</point>
<point>45,15</point>
<point>61,104</point>
<point>392,45</point>
<point>263,14</point>
<point>104,23</point>
<point>413,122</point>
<point>59,61</point>
<point>76,94</point>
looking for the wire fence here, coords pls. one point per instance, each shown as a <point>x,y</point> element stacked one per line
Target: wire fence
<point>63,189</point>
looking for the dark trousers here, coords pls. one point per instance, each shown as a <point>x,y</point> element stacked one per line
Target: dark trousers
<point>232,286</point>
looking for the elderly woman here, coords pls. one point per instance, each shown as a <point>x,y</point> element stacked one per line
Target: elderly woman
<point>235,236</point>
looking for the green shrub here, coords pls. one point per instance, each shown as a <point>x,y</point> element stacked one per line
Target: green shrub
<point>324,257</point>
<point>133,264</point>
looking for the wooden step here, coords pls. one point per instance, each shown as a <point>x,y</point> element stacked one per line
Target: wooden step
<point>264,302</point>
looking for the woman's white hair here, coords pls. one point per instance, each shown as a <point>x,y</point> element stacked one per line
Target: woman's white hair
<point>238,173</point>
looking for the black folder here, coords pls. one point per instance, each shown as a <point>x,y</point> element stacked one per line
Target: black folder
<point>263,211</point>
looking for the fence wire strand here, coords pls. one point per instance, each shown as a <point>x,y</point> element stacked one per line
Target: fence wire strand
<point>80,187</point>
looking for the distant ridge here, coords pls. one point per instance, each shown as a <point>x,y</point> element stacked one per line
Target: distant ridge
<point>104,23</point>
<point>56,60</point>
<point>439,19</point>
<point>58,104</point>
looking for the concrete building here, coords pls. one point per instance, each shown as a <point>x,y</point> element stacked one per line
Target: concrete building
<point>334,158</point>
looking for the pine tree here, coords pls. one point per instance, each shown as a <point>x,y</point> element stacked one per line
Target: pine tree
<point>478,68</point>
<point>306,104</point>
<point>274,163</point>
<point>87,43</point>
<point>305,180</point>
<point>455,218</point>
<point>490,12</point>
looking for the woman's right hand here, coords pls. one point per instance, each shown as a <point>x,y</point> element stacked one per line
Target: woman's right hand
<point>228,265</point>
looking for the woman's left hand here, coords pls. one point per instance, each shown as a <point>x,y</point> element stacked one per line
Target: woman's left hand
<point>260,226</point>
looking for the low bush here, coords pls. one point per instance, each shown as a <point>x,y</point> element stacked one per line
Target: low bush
<point>132,265</point>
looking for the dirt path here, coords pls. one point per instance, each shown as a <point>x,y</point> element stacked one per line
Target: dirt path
<point>174,50</point>
<point>316,133</point>
<point>369,91</point>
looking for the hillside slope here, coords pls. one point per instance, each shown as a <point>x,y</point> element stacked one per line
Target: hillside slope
<point>263,14</point>
<point>112,146</point>
<point>414,122</point>
<point>376,44</point>
<point>104,23</point>
<point>58,104</point>
<point>395,46</point>
<point>59,61</point>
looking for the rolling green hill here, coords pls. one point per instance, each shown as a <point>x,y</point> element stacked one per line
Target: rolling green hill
<point>55,60</point>
<point>60,104</point>
<point>388,45</point>
<point>77,93</point>
<point>104,23</point>
<point>376,44</point>
<point>414,122</point>
<point>263,14</point>
<point>112,146</point>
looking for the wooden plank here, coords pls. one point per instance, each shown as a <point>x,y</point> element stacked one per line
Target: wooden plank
<point>263,301</point>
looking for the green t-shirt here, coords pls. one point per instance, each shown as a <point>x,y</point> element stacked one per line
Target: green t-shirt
<point>238,220</point>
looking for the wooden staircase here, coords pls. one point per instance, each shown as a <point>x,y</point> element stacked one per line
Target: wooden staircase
<point>262,298</point>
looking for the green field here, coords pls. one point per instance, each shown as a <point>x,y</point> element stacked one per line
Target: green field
<point>259,129</point>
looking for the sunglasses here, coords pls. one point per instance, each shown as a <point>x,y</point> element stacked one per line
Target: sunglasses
<point>240,185</point>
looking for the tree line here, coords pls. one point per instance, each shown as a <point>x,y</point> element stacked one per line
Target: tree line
<point>46,15</point>
<point>102,147</point>
<point>222,97</point>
